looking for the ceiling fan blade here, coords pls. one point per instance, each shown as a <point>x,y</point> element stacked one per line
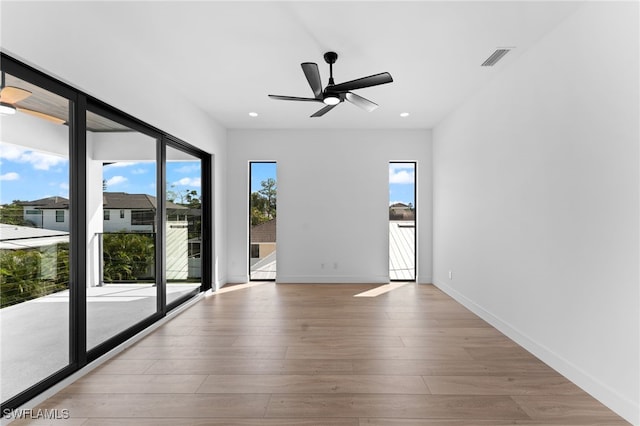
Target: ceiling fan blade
<point>313,77</point>
<point>361,102</point>
<point>361,83</point>
<point>11,94</point>
<point>324,110</point>
<point>293,98</point>
<point>42,115</point>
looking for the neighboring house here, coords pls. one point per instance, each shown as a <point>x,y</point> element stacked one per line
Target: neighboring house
<point>401,211</point>
<point>121,212</point>
<point>48,213</point>
<point>263,239</point>
<point>135,212</point>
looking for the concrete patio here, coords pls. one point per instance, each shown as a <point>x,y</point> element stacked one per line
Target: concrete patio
<point>35,334</point>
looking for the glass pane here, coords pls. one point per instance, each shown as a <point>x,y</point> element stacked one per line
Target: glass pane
<point>121,222</point>
<point>34,235</point>
<point>402,221</point>
<point>183,224</point>
<point>262,221</point>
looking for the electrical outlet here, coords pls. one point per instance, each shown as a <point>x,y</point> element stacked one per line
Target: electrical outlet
<point>450,274</point>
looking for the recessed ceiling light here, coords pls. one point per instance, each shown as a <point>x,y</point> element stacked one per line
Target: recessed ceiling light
<point>404,114</point>
<point>253,114</point>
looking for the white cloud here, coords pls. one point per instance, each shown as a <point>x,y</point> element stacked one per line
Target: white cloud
<point>138,171</point>
<point>37,159</point>
<point>10,176</point>
<point>64,186</point>
<point>116,180</point>
<point>187,181</point>
<point>394,167</point>
<point>401,176</point>
<point>188,169</point>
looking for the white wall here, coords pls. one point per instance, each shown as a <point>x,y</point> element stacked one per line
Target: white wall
<point>333,201</point>
<point>536,190</point>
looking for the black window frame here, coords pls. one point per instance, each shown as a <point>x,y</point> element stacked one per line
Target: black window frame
<point>58,218</point>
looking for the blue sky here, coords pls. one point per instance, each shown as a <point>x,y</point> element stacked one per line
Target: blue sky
<point>29,175</point>
<point>402,183</point>
<point>261,172</point>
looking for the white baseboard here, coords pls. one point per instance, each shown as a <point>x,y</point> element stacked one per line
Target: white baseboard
<point>624,407</point>
<point>331,279</point>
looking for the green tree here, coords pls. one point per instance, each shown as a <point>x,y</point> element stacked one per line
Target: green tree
<point>21,274</point>
<point>128,257</point>
<point>263,202</point>
<point>13,214</point>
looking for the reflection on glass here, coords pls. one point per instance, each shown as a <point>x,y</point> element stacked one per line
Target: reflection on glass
<point>262,221</point>
<point>34,236</point>
<point>402,222</point>
<point>183,224</point>
<point>121,222</point>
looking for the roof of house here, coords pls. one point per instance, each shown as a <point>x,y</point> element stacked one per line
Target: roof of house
<point>13,237</point>
<point>48,203</point>
<point>123,200</point>
<point>112,200</point>
<point>264,232</point>
<point>399,206</point>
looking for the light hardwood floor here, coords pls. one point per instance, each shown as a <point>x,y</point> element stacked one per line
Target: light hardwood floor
<point>314,355</point>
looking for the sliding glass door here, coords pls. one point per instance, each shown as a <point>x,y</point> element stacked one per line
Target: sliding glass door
<point>123,223</point>
<point>183,224</point>
<point>104,228</point>
<point>34,235</point>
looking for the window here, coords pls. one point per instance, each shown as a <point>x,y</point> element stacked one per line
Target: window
<point>59,215</point>
<point>402,221</point>
<point>106,215</point>
<point>33,212</point>
<point>143,217</point>
<point>263,194</point>
<point>121,214</point>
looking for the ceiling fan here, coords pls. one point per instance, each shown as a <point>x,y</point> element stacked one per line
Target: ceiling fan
<point>10,96</point>
<point>333,94</point>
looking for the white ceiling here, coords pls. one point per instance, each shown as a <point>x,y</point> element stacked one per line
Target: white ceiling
<point>226,57</point>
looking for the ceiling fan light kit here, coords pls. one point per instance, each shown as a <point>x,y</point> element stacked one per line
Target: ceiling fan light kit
<point>334,94</point>
<point>7,109</point>
<point>10,96</point>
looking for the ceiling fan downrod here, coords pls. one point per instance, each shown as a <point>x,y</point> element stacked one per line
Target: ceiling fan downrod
<point>331,58</point>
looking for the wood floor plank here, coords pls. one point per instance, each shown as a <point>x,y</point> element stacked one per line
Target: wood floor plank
<point>328,341</point>
<point>455,367</point>
<point>572,409</point>
<point>124,366</point>
<point>318,383</point>
<point>247,366</point>
<point>177,352</point>
<point>395,406</point>
<point>501,385</point>
<point>137,383</point>
<point>373,352</point>
<point>134,405</point>
<point>188,421</point>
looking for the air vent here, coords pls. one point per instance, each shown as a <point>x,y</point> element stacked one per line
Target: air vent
<point>495,57</point>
